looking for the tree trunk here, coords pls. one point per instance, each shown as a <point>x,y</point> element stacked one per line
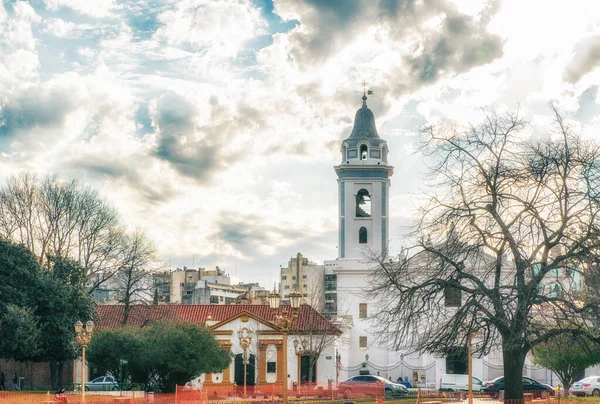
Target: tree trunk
<point>59,369</point>
<point>126,312</point>
<point>53,374</point>
<point>568,377</point>
<point>56,373</point>
<point>514,360</point>
<point>29,374</point>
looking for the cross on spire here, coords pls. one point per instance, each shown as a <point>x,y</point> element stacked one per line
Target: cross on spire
<point>365,93</point>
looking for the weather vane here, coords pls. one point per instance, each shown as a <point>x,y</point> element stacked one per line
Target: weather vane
<point>365,91</point>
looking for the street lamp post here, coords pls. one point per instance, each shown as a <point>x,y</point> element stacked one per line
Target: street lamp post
<point>470,366</point>
<point>83,334</point>
<point>285,321</point>
<point>245,336</point>
<point>338,366</point>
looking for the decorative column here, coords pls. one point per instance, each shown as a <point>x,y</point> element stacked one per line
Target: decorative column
<point>262,367</point>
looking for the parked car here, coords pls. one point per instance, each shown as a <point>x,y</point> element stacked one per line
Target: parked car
<point>494,387</point>
<point>372,385</point>
<point>102,383</point>
<point>405,383</point>
<point>590,386</point>
<point>454,382</point>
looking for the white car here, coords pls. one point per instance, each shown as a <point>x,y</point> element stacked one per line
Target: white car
<point>102,383</point>
<point>590,386</point>
<point>459,382</point>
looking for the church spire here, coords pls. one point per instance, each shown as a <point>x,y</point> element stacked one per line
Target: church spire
<point>364,121</point>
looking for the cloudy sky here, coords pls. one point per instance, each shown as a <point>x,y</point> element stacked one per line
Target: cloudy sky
<point>214,124</point>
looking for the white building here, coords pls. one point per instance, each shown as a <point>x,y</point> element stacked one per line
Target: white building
<point>265,353</point>
<point>363,189</point>
<point>199,286</point>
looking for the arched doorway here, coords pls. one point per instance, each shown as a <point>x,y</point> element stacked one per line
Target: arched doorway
<point>250,370</point>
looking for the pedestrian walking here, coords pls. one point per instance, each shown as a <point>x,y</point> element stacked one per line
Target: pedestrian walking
<point>15,385</point>
<point>2,381</point>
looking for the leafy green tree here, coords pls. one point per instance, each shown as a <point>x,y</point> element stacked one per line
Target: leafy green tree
<point>38,308</point>
<point>161,355</point>
<point>108,347</point>
<point>19,271</point>
<point>19,333</point>
<point>62,302</point>
<point>567,356</point>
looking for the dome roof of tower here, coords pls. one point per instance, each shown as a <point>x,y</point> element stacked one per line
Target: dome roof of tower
<point>364,123</point>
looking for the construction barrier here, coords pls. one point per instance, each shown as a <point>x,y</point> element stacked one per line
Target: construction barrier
<point>271,394</point>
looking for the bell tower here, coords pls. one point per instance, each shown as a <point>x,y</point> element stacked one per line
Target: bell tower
<point>363,186</point>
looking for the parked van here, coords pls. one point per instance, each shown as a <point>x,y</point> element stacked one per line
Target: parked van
<point>452,382</point>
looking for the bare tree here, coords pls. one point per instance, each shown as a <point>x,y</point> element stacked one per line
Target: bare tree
<point>505,214</point>
<point>64,219</point>
<point>312,341</point>
<point>133,280</point>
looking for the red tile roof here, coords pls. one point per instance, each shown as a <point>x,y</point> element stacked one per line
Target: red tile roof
<point>111,315</point>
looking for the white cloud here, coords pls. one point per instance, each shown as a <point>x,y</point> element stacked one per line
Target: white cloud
<point>225,151</point>
<point>59,28</point>
<point>92,8</point>
<point>219,28</point>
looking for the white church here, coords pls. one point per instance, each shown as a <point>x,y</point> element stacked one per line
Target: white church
<point>364,178</point>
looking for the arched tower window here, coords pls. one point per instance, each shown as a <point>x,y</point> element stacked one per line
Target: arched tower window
<point>363,204</point>
<point>364,152</point>
<point>362,235</point>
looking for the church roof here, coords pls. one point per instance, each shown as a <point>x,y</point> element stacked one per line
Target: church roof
<point>364,123</point>
<point>111,315</point>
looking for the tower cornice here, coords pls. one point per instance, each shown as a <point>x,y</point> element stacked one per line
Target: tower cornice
<point>363,171</point>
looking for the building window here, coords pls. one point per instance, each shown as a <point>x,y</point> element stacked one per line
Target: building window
<point>286,287</point>
<point>182,284</point>
<point>220,298</point>
<point>364,152</point>
<point>189,292</point>
<point>452,297</point>
<point>362,310</point>
<point>362,342</point>
<point>362,235</point>
<point>363,203</point>
<point>305,286</point>
<point>271,367</point>
<point>293,278</point>
<point>303,276</point>
<point>214,299</point>
<point>283,277</point>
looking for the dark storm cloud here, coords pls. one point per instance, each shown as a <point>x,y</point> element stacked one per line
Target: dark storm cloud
<point>586,57</point>
<point>459,44</point>
<point>458,47</point>
<point>246,233</point>
<point>200,150</point>
<point>128,171</point>
<point>38,107</point>
<point>180,142</point>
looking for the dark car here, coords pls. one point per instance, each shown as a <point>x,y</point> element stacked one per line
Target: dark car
<point>494,387</point>
<point>374,386</point>
<point>406,383</point>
